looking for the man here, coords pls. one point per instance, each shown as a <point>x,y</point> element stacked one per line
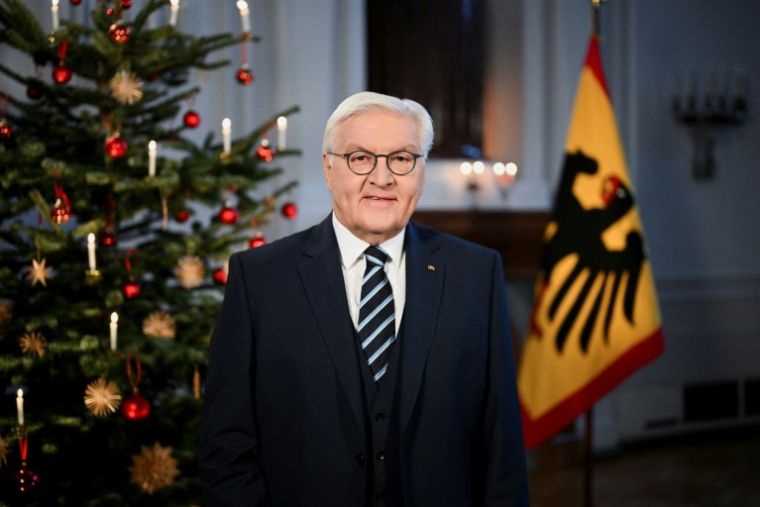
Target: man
<point>365,361</point>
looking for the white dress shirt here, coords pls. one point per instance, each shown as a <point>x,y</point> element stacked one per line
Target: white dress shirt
<point>354,264</point>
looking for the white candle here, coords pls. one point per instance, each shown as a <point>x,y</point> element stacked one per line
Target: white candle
<point>20,407</point>
<point>152,158</point>
<point>245,15</point>
<point>466,168</point>
<point>478,167</point>
<point>114,328</point>
<point>91,251</point>
<point>498,169</point>
<point>54,10</point>
<point>227,133</point>
<point>175,10</point>
<point>282,129</point>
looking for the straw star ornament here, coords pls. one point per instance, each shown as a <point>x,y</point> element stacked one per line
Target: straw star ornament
<point>102,396</point>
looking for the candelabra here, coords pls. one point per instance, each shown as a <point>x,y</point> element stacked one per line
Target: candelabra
<point>709,116</point>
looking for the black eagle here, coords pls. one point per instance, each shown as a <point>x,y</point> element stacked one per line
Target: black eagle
<point>579,231</point>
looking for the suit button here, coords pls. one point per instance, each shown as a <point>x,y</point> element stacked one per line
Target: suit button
<point>380,456</point>
<point>360,460</point>
<point>380,495</point>
<point>380,417</point>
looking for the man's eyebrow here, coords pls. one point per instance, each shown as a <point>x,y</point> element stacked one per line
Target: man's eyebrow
<point>354,147</point>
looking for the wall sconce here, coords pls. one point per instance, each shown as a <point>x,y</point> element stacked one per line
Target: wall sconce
<point>709,116</point>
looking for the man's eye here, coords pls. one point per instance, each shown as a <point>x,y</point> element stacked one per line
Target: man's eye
<point>402,157</point>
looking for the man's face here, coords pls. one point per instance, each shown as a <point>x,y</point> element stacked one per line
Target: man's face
<point>376,206</point>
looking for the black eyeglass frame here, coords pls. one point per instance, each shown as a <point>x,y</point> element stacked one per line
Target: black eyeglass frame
<point>415,156</point>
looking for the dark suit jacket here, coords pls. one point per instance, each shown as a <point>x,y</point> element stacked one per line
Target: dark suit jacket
<point>283,417</point>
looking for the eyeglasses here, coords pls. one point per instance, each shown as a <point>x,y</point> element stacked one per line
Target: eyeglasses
<point>363,162</point>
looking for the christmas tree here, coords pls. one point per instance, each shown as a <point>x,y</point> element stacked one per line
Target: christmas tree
<point>107,301</point>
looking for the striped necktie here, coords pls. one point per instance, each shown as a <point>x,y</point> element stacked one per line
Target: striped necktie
<point>377,326</point>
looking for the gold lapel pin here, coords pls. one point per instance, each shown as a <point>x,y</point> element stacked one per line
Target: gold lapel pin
<point>431,267</point>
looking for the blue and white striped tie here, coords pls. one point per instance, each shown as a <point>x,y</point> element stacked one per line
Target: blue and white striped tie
<point>377,325</point>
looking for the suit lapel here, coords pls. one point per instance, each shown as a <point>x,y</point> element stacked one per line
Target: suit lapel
<point>425,271</point>
<point>322,278</point>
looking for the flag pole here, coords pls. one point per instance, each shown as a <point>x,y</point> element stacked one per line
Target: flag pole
<point>588,457</point>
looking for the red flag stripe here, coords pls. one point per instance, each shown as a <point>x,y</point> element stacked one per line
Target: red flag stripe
<point>594,62</point>
<point>538,430</point>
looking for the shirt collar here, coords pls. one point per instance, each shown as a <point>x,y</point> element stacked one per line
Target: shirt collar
<point>352,248</point>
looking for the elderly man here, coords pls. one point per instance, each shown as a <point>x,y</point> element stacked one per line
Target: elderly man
<point>365,361</point>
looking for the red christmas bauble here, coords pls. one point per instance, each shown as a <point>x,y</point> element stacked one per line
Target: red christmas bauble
<point>126,4</point>
<point>244,75</point>
<point>25,479</point>
<point>182,216</point>
<point>119,33</point>
<point>116,146</point>
<point>265,152</point>
<point>131,289</point>
<point>191,119</point>
<point>76,2</point>
<point>33,93</point>
<point>228,215</point>
<point>289,210</point>
<point>257,241</point>
<point>135,407</point>
<point>60,212</point>
<point>220,276</point>
<point>61,74</point>
<point>107,239</point>
<point>6,132</point>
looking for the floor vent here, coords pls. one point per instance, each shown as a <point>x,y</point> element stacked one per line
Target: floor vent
<point>707,402</point>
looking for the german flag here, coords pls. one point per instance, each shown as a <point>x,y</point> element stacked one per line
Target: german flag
<point>595,317</point>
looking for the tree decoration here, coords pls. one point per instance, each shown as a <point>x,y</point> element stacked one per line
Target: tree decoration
<point>6,133</point>
<point>76,2</point>
<point>116,146</point>
<point>159,324</point>
<point>33,344</point>
<point>182,216</point>
<point>191,119</point>
<point>257,240</point>
<point>126,4</point>
<point>220,276</point>
<point>33,92</point>
<point>244,75</point>
<point>61,73</point>
<point>264,151</point>
<point>135,407</point>
<point>154,468</point>
<point>119,33</point>
<point>107,239</point>
<point>4,451</point>
<point>289,210</point>
<point>60,212</point>
<point>131,289</point>
<point>101,397</point>
<point>25,479</point>
<point>228,215</point>
<point>126,87</point>
<point>197,383</point>
<point>6,311</point>
<point>39,272</point>
<point>190,272</point>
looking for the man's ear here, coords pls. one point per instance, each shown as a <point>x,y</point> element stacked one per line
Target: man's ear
<point>328,170</point>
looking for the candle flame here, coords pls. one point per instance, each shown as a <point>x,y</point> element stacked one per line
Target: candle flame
<point>55,3</point>
<point>91,238</point>
<point>282,122</point>
<point>226,123</point>
<point>174,3</point>
<point>114,317</point>
<point>152,146</point>
<point>466,168</point>
<point>20,393</point>
<point>242,5</point>
<point>498,169</point>
<point>511,169</point>
<point>478,167</point>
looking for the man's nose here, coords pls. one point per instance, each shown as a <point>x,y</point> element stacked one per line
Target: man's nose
<point>382,174</point>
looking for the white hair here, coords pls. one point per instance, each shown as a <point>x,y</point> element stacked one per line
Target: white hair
<point>365,102</point>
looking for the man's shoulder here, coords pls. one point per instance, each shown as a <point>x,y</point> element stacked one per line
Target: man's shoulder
<point>452,245</point>
<point>282,250</point>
